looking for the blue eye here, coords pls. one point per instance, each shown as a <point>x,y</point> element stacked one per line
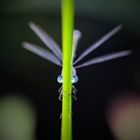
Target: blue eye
<point>74,79</point>
<point>59,79</point>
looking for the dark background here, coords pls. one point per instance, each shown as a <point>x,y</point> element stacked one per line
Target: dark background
<point>26,74</point>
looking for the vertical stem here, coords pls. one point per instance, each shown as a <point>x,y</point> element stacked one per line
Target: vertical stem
<point>67,38</point>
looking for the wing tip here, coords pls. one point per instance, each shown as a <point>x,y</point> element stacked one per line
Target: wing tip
<point>32,25</point>
<point>25,45</point>
<point>77,33</point>
<point>119,27</point>
<point>128,52</point>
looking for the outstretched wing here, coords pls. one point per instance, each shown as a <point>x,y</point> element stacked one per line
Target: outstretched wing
<point>104,58</point>
<point>41,52</point>
<point>48,41</point>
<point>76,36</point>
<point>98,43</point>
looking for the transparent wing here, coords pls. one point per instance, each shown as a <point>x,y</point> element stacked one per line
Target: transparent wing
<point>76,36</point>
<point>98,43</point>
<point>48,41</point>
<point>41,52</point>
<point>104,58</point>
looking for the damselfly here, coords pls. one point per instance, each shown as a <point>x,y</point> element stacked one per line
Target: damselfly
<point>55,53</point>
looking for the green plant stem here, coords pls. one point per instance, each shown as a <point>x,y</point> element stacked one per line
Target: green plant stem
<point>67,39</point>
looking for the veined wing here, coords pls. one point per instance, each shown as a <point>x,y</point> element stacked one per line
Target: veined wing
<point>76,36</point>
<point>104,58</point>
<point>41,52</point>
<point>48,41</point>
<point>98,43</point>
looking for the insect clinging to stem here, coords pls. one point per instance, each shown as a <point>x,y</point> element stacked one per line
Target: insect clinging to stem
<point>55,53</point>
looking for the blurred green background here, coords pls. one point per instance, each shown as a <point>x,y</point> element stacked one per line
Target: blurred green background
<point>124,11</point>
<point>17,119</point>
<point>29,75</point>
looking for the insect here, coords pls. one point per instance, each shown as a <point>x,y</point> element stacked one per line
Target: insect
<point>55,53</point>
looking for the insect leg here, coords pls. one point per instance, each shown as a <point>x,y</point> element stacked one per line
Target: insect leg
<point>60,94</point>
<point>74,96</point>
<point>74,90</point>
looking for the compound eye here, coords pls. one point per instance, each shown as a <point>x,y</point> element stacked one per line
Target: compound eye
<point>59,79</point>
<point>74,79</point>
